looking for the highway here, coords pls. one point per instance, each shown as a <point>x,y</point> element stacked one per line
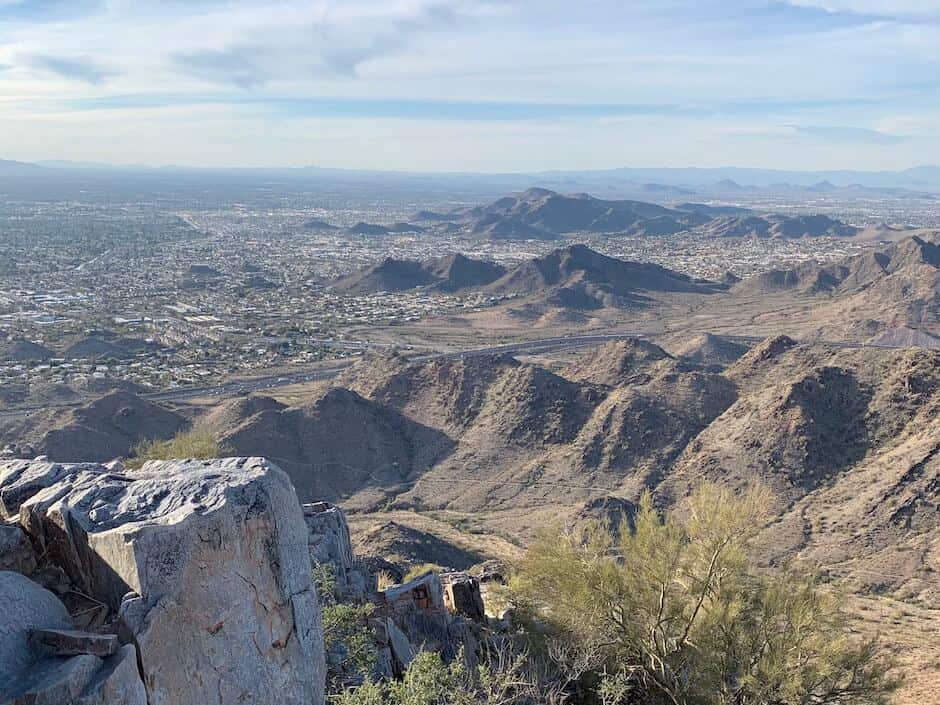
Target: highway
<point>259,384</point>
<point>313,375</point>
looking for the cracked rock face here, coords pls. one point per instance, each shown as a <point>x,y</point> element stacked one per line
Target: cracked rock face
<point>205,562</point>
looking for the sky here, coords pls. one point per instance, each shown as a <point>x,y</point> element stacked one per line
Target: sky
<point>472,85</point>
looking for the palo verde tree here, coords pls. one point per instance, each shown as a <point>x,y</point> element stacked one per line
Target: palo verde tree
<point>674,612</point>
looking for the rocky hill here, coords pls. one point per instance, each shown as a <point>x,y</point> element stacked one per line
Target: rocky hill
<point>99,346</point>
<point>577,277</point>
<point>778,226</point>
<point>450,273</point>
<point>456,272</point>
<point>24,351</point>
<point>388,275</point>
<point>708,349</point>
<point>540,214</point>
<point>334,446</point>
<point>895,288</point>
<point>105,429</point>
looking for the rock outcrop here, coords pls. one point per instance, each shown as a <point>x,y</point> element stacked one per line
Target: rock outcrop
<point>202,569</point>
<point>329,544</point>
<point>429,613</point>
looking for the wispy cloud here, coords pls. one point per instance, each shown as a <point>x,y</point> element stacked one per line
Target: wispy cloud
<point>234,66</point>
<point>841,133</point>
<point>825,77</point>
<point>46,10</point>
<point>886,8</point>
<point>77,68</point>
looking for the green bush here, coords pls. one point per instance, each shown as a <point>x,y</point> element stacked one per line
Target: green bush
<point>675,613</point>
<point>500,680</point>
<point>345,630</point>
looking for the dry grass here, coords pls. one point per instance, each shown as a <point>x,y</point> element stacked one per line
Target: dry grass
<point>910,632</point>
<point>196,444</point>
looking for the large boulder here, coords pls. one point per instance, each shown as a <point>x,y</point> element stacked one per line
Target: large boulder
<point>205,563</point>
<point>24,606</point>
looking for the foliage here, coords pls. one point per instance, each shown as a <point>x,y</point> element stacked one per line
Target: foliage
<point>675,613</point>
<point>345,630</point>
<point>502,679</point>
<point>195,443</point>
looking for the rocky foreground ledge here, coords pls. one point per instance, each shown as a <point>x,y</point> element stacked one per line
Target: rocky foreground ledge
<point>183,583</point>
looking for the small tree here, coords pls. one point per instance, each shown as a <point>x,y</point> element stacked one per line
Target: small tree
<point>677,614</point>
<point>346,633</point>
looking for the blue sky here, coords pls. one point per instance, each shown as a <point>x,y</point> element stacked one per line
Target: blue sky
<point>482,85</point>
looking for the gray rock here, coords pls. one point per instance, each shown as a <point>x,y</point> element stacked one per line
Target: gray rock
<point>402,650</point>
<point>71,642</point>
<point>21,479</point>
<point>216,553</point>
<point>329,544</point>
<point>424,592</point>
<point>57,681</point>
<point>16,553</point>
<point>24,606</point>
<point>117,682</point>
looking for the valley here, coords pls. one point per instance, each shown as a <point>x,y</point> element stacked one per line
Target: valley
<point>460,385</point>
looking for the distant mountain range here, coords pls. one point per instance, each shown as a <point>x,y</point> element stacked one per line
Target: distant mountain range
<point>886,292</point>
<point>574,278</point>
<point>542,214</point>
<point>657,183</point>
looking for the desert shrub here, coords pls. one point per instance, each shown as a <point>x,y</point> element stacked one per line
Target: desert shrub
<point>346,633</point>
<point>195,443</point>
<point>676,613</point>
<point>503,678</point>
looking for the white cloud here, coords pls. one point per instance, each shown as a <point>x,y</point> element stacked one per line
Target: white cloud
<point>729,77</point>
<point>888,8</point>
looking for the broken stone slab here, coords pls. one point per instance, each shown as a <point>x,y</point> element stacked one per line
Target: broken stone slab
<point>424,592</point>
<point>70,642</point>
<point>24,606</point>
<point>56,681</point>
<point>16,552</point>
<point>216,552</point>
